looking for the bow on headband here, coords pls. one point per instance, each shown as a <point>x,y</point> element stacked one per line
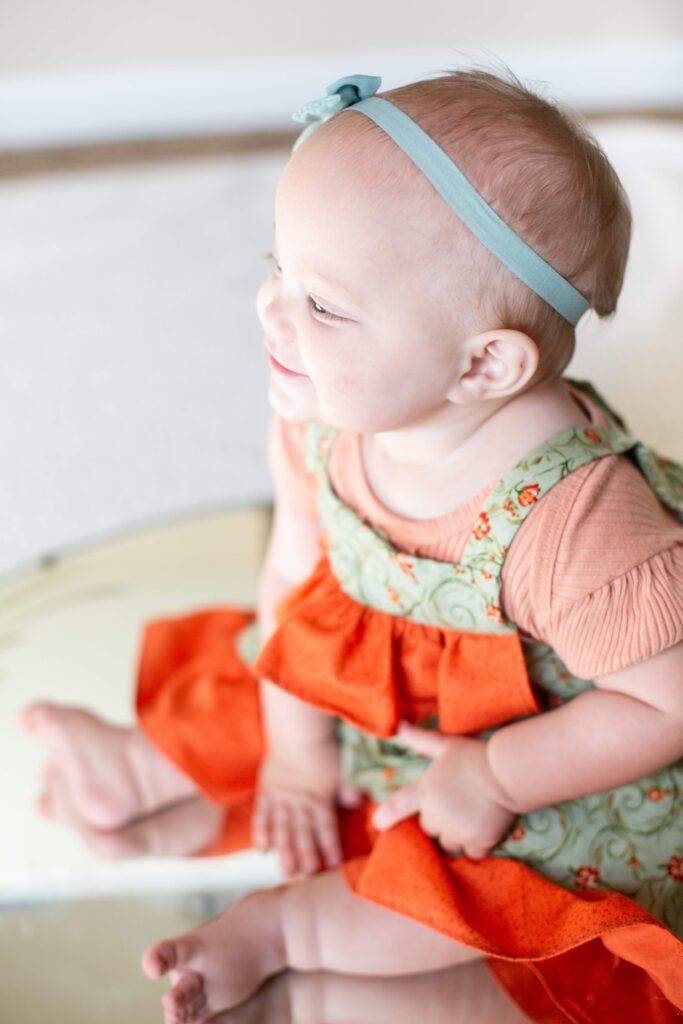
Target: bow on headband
<point>341,94</point>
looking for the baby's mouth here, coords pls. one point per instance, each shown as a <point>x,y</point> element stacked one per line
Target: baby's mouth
<point>283,369</point>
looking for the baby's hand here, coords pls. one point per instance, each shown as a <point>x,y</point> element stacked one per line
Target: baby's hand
<point>459,800</point>
<point>295,809</point>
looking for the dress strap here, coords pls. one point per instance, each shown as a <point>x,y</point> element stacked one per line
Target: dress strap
<point>530,479</point>
<point>665,476</point>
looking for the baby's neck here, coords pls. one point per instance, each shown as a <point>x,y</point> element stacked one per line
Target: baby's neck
<point>418,471</point>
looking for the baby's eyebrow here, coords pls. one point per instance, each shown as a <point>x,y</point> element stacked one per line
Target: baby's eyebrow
<point>326,280</point>
<point>335,285</point>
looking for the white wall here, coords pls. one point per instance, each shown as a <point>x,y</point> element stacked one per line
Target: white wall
<point>64,35</point>
<point>73,71</point>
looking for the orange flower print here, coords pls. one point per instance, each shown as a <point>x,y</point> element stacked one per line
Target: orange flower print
<point>656,794</point>
<point>482,526</point>
<point>495,612</point>
<point>517,833</point>
<point>592,436</point>
<point>509,506</point>
<point>634,862</point>
<point>586,877</point>
<point>393,596</point>
<point>406,566</point>
<point>675,868</point>
<point>530,494</point>
<point>387,774</point>
<point>324,443</point>
<point>486,575</point>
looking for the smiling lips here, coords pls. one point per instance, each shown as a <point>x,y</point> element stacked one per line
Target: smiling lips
<point>283,369</point>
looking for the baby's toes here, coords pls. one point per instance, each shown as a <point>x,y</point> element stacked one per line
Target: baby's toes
<point>54,800</point>
<point>169,955</point>
<point>185,1003</point>
<point>36,716</point>
<point>46,802</point>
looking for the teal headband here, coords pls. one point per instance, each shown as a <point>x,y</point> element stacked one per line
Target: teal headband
<point>357,92</point>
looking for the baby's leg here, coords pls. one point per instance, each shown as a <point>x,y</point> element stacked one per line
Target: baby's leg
<point>311,925</point>
<point>99,775</point>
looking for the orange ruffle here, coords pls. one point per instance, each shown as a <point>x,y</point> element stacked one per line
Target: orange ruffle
<point>199,703</point>
<point>373,669</point>
<point>562,956</point>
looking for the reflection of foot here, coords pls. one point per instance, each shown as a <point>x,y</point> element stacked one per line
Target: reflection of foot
<point>173,832</point>
<point>222,963</point>
<point>99,775</point>
<point>272,1003</point>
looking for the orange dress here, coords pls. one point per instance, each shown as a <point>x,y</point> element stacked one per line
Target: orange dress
<point>591,954</point>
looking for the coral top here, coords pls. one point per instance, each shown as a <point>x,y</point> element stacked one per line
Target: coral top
<point>596,572</point>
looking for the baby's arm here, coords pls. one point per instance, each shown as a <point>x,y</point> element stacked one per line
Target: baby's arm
<point>293,551</point>
<point>300,775</point>
<point>629,726</point>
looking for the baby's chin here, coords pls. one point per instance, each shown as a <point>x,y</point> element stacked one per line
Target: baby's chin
<point>292,407</point>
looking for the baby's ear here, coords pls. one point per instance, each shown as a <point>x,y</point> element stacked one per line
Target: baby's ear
<point>494,364</point>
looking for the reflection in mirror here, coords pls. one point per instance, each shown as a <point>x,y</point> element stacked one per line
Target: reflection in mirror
<point>86,957</point>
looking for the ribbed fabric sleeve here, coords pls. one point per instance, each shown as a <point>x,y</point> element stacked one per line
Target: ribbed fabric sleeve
<point>598,572</point>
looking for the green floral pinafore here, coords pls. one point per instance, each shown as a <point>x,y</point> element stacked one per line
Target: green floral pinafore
<point>628,839</point>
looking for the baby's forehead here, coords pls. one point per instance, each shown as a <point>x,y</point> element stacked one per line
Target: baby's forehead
<point>357,175</point>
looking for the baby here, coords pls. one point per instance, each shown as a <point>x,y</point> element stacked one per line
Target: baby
<point>463,729</point>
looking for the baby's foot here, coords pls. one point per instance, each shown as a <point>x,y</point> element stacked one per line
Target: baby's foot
<point>99,775</point>
<point>222,963</point>
<point>172,832</point>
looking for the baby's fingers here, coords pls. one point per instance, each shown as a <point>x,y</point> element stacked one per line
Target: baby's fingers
<point>283,839</point>
<point>304,841</point>
<point>261,831</point>
<point>327,835</point>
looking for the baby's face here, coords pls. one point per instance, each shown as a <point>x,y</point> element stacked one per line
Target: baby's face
<point>361,299</point>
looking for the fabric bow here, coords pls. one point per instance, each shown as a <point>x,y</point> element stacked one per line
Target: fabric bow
<point>339,95</point>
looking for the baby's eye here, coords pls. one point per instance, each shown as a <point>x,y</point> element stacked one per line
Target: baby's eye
<point>321,311</point>
<point>315,306</point>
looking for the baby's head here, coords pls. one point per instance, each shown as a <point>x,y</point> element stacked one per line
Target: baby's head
<point>424,318</point>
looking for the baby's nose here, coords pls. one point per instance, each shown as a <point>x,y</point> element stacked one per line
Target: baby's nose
<point>275,320</point>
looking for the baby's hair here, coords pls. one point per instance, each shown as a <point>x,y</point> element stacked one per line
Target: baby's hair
<point>547,177</point>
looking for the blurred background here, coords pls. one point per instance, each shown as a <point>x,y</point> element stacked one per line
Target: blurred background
<point>140,145</point>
